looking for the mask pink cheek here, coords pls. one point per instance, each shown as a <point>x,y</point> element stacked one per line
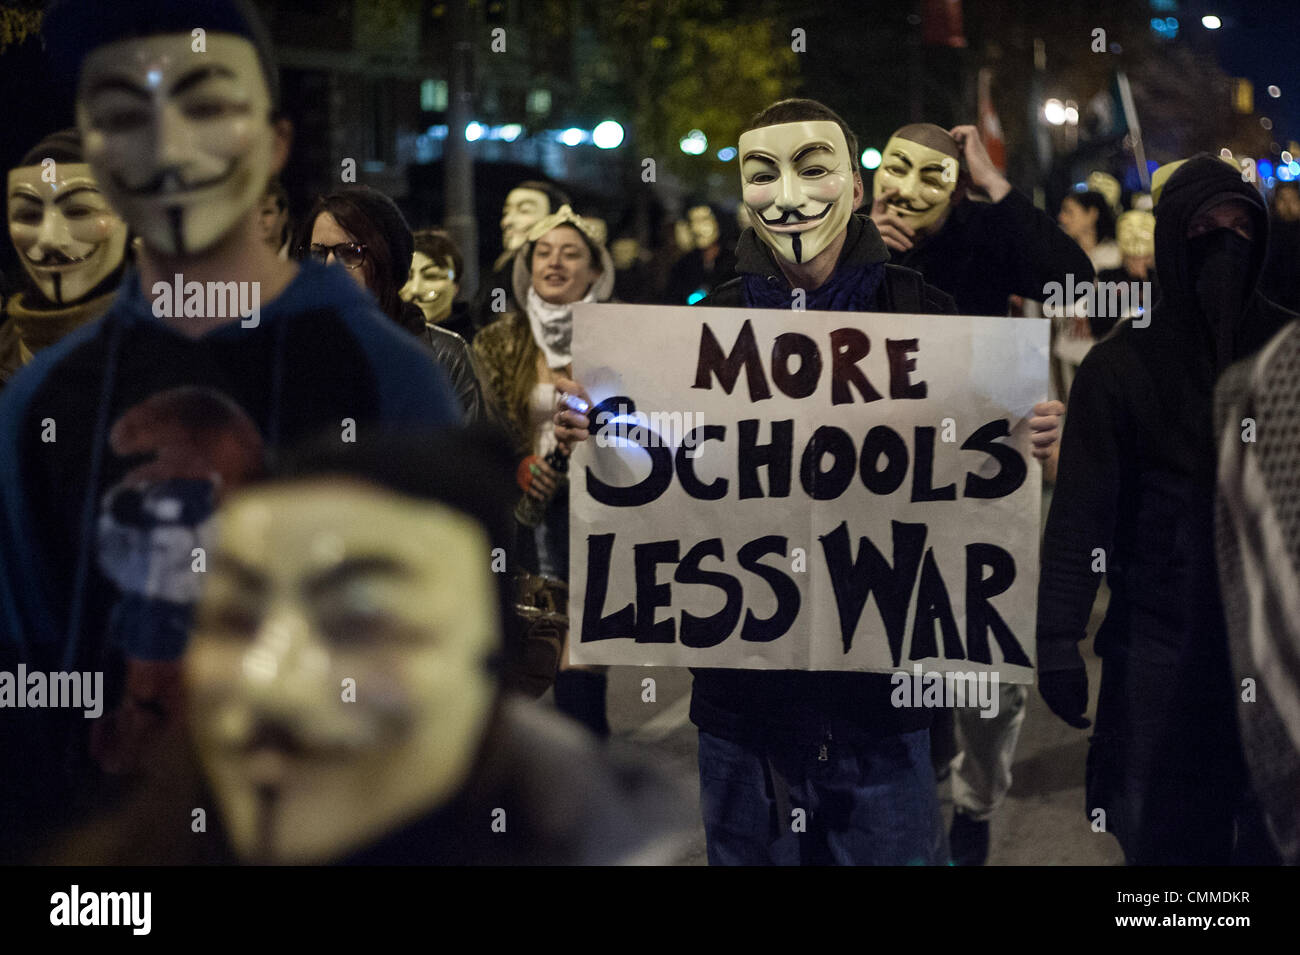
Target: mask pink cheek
<point>934,196</point>
<point>24,236</point>
<point>827,188</point>
<point>226,140</point>
<point>758,197</point>
<point>94,230</point>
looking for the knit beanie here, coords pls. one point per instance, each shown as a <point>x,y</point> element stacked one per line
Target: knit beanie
<point>383,212</point>
<point>75,28</point>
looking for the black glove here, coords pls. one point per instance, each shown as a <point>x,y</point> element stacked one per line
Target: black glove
<point>1066,694</point>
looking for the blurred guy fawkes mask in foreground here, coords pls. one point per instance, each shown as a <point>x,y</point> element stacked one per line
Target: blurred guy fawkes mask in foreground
<point>180,142</point>
<point>337,672</point>
<point>68,237</point>
<point>1136,233</point>
<point>924,170</point>
<point>797,182</point>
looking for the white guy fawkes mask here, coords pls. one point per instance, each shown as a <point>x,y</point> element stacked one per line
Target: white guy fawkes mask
<point>925,179</point>
<point>522,209</point>
<point>180,141</point>
<point>797,182</point>
<point>431,286</point>
<point>704,226</point>
<point>337,672</point>
<point>68,237</point>
<point>1136,234</point>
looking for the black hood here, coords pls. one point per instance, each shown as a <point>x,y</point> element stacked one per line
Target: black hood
<point>862,246</point>
<point>1197,181</point>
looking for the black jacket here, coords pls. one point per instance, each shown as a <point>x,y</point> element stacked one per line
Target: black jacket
<point>451,352</point>
<point>801,705</point>
<point>690,274</point>
<point>1137,471</point>
<point>986,252</point>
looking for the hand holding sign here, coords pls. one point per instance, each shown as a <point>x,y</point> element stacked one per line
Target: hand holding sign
<point>1046,427</point>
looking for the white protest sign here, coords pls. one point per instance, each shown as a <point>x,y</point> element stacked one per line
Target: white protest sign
<point>771,489</point>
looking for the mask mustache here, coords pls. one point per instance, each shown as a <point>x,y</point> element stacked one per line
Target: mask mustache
<point>792,216</point>
<point>308,741</point>
<point>51,257</point>
<point>906,204</point>
<point>170,181</point>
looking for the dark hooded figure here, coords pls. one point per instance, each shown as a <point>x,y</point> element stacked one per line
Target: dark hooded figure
<point>1135,500</point>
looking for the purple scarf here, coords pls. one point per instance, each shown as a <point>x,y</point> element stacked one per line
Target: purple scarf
<point>850,289</point>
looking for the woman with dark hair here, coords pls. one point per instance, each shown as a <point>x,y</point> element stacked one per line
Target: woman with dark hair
<point>522,355</point>
<point>1086,218</point>
<point>363,231</point>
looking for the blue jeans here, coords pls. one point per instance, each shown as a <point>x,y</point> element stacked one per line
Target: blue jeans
<point>864,803</point>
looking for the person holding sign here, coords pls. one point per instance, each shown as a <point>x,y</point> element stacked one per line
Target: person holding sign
<point>799,766</point>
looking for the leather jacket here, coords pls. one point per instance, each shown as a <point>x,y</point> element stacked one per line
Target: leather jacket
<point>451,352</point>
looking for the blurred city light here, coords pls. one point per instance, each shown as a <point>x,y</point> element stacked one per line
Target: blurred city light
<point>573,136</point>
<point>510,132</point>
<point>1286,156</point>
<point>1211,22</point>
<point>727,153</point>
<point>607,135</point>
<point>1274,92</point>
<point>1265,168</point>
<point>474,131</point>
<point>1054,112</point>
<point>870,158</point>
<point>1167,28</point>
<point>693,143</point>
<point>1072,115</point>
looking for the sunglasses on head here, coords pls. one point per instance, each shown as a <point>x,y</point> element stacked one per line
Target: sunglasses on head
<point>350,254</point>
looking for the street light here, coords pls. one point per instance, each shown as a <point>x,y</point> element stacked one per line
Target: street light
<point>1054,112</point>
<point>1211,22</point>
<point>693,143</point>
<point>607,135</point>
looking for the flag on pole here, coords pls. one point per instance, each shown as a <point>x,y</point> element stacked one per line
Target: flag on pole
<point>941,24</point>
<point>989,125</point>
